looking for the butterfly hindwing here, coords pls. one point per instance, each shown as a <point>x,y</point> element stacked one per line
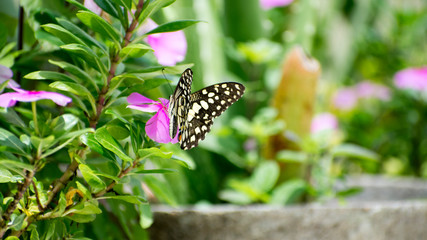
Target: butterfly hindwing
<point>205,105</point>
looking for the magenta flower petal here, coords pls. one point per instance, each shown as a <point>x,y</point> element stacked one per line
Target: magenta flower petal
<point>267,4</point>
<point>324,121</point>
<point>157,128</point>
<point>10,99</point>
<point>412,78</point>
<point>169,48</point>
<point>6,74</point>
<point>136,98</point>
<point>345,99</point>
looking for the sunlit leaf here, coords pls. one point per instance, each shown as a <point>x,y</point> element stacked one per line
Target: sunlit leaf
<point>173,26</point>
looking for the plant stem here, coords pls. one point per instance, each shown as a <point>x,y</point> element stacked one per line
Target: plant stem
<point>18,196</point>
<point>34,108</point>
<point>115,60</point>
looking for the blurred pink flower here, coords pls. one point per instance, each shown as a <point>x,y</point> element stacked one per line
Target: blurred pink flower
<point>169,47</point>
<point>368,89</point>
<point>324,121</point>
<point>6,74</point>
<point>345,98</point>
<point>9,99</point>
<point>267,4</point>
<point>157,127</point>
<point>348,97</point>
<point>412,78</point>
<point>91,5</point>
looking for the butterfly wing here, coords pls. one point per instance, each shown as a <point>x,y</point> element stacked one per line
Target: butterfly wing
<point>179,102</point>
<point>204,106</point>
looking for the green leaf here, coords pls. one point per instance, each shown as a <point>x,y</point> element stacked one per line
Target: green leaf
<point>235,197</point>
<point>153,152</point>
<point>34,234</point>
<point>106,140</point>
<point>48,75</point>
<point>10,116</point>
<point>82,218</point>
<point>161,189</point>
<point>152,7</point>
<point>87,55</point>
<point>17,222</point>
<point>76,89</point>
<point>68,137</point>
<point>99,25</point>
<point>8,139</point>
<point>86,208</point>
<point>108,7</point>
<point>91,178</point>
<point>135,50</point>
<point>184,161</point>
<point>15,165</point>
<point>84,190</point>
<point>354,151</point>
<point>42,143</point>
<point>265,176</point>
<point>89,40</point>
<point>64,122</point>
<point>173,26</point>
<point>145,216</point>
<point>288,192</point>
<point>12,238</point>
<point>127,198</point>
<point>6,176</point>
<point>118,132</point>
<point>124,3</point>
<point>62,33</point>
<point>81,75</point>
<point>90,141</point>
<point>292,156</point>
<point>154,171</point>
<point>147,85</point>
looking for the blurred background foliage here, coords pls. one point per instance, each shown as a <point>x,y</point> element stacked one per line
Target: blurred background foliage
<point>238,40</point>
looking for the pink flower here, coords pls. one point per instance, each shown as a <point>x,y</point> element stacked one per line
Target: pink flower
<point>323,122</point>
<point>91,5</point>
<point>9,99</point>
<point>169,47</point>
<point>157,127</point>
<point>412,78</point>
<point>6,74</point>
<point>267,4</point>
<point>368,89</point>
<point>345,98</point>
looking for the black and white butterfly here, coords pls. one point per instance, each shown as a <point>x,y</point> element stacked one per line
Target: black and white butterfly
<point>192,114</point>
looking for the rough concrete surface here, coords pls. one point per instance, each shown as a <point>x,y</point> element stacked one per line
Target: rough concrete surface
<point>360,218</point>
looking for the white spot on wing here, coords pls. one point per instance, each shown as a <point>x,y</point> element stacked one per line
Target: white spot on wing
<point>196,107</point>
<point>210,100</point>
<point>204,104</point>
<point>211,94</point>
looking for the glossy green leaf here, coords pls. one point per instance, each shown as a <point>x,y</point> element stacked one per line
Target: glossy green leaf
<point>10,140</point>
<point>16,223</point>
<point>135,50</point>
<point>145,216</point>
<point>64,122</point>
<point>76,89</point>
<point>118,132</point>
<point>87,55</point>
<point>80,33</point>
<point>152,7</point>
<point>15,165</point>
<point>67,138</point>
<point>124,3</point>
<point>129,199</point>
<point>84,190</point>
<point>153,152</point>
<point>82,218</point>
<point>108,7</point>
<point>11,117</point>
<point>155,171</point>
<point>66,36</point>
<point>173,26</point>
<point>147,85</point>
<point>34,234</point>
<point>90,141</point>
<point>91,178</point>
<point>106,140</point>
<point>99,25</point>
<point>81,76</point>
<point>86,208</point>
<point>48,75</point>
<point>6,176</point>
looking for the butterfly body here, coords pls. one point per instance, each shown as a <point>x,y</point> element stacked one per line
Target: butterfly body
<point>192,114</point>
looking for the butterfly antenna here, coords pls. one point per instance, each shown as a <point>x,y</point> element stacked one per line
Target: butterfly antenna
<point>170,87</point>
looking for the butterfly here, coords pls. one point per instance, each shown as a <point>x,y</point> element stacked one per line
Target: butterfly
<point>192,114</point>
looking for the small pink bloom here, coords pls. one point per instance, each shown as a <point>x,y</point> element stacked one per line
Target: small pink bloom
<point>368,89</point>
<point>169,47</point>
<point>267,4</point>
<point>345,98</point>
<point>157,127</point>
<point>412,78</point>
<point>91,5</point>
<point>324,121</point>
<point>6,74</point>
<point>9,99</point>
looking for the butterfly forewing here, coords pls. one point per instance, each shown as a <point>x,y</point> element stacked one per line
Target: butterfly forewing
<point>179,102</point>
<point>205,105</point>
